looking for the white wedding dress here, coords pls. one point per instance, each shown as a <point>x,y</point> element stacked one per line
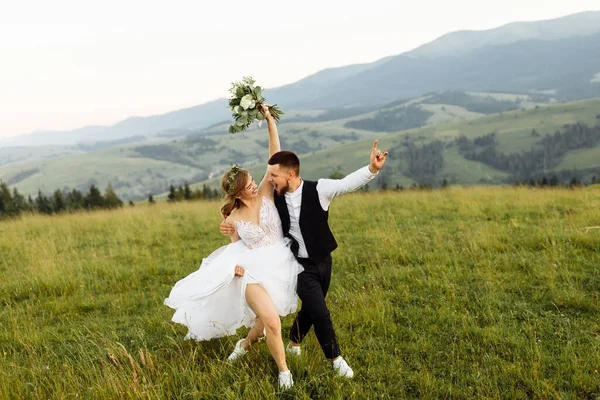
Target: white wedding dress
<point>211,301</point>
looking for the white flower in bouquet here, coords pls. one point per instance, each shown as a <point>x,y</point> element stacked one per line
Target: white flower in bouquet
<point>245,102</point>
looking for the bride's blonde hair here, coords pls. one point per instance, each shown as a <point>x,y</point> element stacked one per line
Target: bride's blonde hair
<point>233,183</point>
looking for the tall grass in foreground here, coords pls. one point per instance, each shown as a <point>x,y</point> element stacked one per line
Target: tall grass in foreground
<point>461,293</point>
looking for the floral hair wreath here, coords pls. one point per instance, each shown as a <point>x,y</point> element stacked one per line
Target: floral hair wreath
<point>234,170</point>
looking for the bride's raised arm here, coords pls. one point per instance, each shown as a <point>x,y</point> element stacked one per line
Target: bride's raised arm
<point>265,188</point>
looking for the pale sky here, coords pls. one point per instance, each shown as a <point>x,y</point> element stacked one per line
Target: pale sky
<point>66,64</point>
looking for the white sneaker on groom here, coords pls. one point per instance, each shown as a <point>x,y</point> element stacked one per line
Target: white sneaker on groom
<point>342,368</point>
<point>293,350</point>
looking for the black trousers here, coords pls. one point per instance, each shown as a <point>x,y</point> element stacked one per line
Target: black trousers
<point>313,284</point>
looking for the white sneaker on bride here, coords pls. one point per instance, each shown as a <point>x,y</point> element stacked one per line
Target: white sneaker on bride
<point>237,352</point>
<point>342,368</point>
<point>293,350</point>
<point>285,380</point>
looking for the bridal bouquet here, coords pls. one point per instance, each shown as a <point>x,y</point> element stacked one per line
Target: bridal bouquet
<point>245,103</point>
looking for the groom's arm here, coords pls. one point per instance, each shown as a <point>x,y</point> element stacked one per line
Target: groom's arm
<point>329,189</point>
<point>227,228</point>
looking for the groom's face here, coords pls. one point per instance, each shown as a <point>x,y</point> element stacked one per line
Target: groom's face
<point>279,178</point>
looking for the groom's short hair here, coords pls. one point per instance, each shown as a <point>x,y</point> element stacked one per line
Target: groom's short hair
<point>286,159</point>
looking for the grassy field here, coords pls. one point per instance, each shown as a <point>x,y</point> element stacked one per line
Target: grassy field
<point>461,293</point>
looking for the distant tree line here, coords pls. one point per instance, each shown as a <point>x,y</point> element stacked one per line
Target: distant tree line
<point>13,203</point>
<point>184,192</point>
<point>398,119</point>
<point>440,185</point>
<point>424,162</point>
<point>547,153</point>
<point>564,178</point>
<point>164,152</point>
<point>478,104</point>
<point>555,181</point>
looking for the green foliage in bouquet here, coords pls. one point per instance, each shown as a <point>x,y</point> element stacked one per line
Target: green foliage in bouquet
<point>245,103</point>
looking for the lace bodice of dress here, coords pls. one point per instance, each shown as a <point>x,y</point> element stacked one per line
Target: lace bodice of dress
<point>269,230</point>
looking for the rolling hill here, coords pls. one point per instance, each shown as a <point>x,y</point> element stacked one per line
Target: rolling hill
<point>140,167</point>
<point>514,131</point>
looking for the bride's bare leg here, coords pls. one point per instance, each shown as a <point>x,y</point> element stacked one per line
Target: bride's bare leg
<point>261,303</point>
<point>254,335</point>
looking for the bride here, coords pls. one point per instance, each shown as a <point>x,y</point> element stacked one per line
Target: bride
<point>250,282</point>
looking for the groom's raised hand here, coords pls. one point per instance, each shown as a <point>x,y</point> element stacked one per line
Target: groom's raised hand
<point>377,158</point>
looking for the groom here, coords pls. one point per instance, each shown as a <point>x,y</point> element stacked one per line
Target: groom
<point>303,207</point>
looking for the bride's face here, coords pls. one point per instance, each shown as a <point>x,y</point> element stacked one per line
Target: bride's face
<point>251,189</point>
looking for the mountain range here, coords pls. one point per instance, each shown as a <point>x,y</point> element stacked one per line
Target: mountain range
<point>559,56</point>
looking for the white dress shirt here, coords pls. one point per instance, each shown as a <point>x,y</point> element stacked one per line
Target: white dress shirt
<point>328,189</point>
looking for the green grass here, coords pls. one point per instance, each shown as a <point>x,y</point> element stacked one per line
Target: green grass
<point>463,293</point>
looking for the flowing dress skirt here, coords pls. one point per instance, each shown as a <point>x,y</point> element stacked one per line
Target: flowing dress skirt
<point>211,301</point>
